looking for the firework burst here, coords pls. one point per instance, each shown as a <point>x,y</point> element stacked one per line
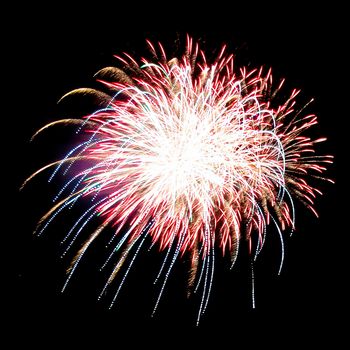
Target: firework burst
<point>194,155</point>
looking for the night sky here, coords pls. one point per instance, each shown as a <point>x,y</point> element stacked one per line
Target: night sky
<point>60,50</point>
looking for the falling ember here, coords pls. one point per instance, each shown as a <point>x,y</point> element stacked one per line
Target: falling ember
<point>194,155</point>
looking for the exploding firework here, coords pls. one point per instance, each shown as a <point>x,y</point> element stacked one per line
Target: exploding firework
<point>192,156</point>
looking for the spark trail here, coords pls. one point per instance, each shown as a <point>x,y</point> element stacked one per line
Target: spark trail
<point>194,155</point>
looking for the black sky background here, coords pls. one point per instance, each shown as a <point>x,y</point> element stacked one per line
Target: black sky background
<point>60,49</point>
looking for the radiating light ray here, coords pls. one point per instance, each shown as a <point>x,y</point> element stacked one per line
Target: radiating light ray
<point>282,244</point>
<point>50,217</point>
<point>80,254</point>
<point>130,264</point>
<point>80,219</point>
<point>164,260</point>
<point>207,284</point>
<point>177,251</point>
<point>253,284</point>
